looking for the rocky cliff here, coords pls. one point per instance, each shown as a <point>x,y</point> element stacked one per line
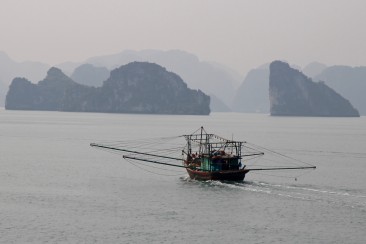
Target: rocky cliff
<point>211,78</point>
<point>137,87</point>
<point>291,93</point>
<point>48,94</point>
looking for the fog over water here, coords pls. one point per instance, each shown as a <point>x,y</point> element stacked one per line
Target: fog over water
<point>239,34</point>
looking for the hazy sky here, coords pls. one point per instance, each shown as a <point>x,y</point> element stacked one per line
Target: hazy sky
<point>241,34</point>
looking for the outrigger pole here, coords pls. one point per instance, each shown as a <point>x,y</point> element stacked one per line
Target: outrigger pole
<point>156,162</point>
<point>179,159</point>
<point>136,152</point>
<point>281,168</point>
<point>181,166</point>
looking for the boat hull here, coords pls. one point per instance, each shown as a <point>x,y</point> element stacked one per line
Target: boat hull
<point>225,175</point>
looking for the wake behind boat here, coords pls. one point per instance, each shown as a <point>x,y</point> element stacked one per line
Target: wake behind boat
<point>205,156</point>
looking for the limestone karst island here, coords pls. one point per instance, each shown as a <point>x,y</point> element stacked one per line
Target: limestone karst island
<point>291,93</point>
<point>137,87</point>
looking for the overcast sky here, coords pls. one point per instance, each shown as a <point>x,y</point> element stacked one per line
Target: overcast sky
<point>241,34</point>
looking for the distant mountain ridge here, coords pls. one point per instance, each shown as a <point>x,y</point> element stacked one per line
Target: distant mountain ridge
<point>9,69</point>
<point>90,75</point>
<point>225,86</point>
<point>211,78</point>
<point>293,94</point>
<point>348,81</point>
<point>252,95</point>
<point>137,87</point>
<point>313,69</point>
<point>3,91</point>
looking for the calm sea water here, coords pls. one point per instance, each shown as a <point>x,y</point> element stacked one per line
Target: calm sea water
<point>55,188</point>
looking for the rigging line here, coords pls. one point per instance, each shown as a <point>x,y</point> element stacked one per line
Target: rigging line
<point>330,155</point>
<point>327,154</point>
<point>151,166</point>
<point>255,156</point>
<point>163,149</point>
<point>124,150</point>
<point>251,161</point>
<point>321,151</point>
<point>151,171</point>
<point>196,131</point>
<point>140,147</point>
<point>157,153</point>
<point>139,142</point>
<point>152,144</point>
<point>279,176</point>
<point>245,146</point>
<point>149,139</point>
<point>283,176</point>
<point>150,159</point>
<point>165,153</point>
<point>283,155</point>
<point>168,164</point>
<point>122,153</point>
<point>162,163</point>
<point>119,153</point>
<point>279,161</point>
<point>137,145</point>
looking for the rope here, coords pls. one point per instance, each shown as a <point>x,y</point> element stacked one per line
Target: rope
<point>136,165</point>
<point>283,176</point>
<point>283,155</point>
<point>153,148</point>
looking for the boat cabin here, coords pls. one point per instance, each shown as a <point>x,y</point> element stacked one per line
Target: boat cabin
<point>213,153</point>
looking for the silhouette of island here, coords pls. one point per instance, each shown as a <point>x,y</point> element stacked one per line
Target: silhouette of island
<point>211,78</point>
<point>137,87</point>
<point>291,93</point>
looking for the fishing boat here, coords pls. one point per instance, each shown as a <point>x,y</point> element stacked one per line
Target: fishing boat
<point>216,158</point>
<point>205,156</point>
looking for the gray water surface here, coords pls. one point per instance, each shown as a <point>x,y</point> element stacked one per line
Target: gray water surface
<point>55,188</point>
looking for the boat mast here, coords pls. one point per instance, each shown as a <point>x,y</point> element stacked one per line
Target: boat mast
<point>200,148</point>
